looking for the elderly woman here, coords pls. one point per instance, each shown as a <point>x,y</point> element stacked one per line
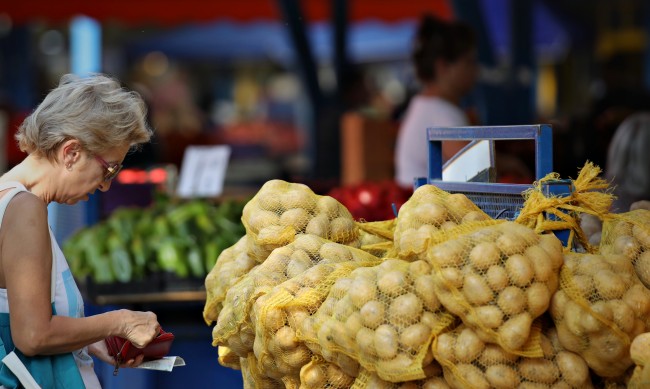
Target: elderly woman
<point>76,140</point>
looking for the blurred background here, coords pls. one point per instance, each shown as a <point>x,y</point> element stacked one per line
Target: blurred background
<point>313,91</point>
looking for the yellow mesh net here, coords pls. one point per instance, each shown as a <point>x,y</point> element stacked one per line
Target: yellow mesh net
<point>428,211</point>
<point>384,317</point>
<point>497,279</point>
<point>377,237</point>
<point>227,358</point>
<point>468,362</point>
<point>283,313</point>
<point>628,234</point>
<point>589,195</point>
<point>281,210</point>
<point>232,264</point>
<point>599,308</point>
<point>281,265</point>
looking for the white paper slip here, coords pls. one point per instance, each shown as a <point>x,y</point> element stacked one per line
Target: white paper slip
<point>163,364</point>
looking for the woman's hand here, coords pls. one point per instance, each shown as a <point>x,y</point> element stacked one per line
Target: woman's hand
<point>139,327</point>
<point>99,350</point>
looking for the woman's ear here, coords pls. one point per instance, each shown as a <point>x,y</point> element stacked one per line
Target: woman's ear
<point>70,152</point>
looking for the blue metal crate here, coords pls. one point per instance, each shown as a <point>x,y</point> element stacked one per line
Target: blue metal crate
<point>502,201</point>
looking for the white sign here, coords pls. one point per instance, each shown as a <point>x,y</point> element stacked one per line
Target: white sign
<point>203,171</point>
<point>474,158</point>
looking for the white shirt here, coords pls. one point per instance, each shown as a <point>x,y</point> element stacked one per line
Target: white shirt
<point>412,149</point>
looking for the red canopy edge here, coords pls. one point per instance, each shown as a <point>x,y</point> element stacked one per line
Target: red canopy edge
<point>186,11</point>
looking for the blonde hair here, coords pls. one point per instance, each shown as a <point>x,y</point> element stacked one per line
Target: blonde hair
<point>95,110</point>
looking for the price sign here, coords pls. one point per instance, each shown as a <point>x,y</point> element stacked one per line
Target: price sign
<point>203,171</point>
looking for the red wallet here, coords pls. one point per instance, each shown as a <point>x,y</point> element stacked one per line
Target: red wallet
<point>122,350</point>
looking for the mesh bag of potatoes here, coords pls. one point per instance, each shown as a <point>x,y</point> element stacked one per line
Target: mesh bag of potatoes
<point>383,317</point>
<point>281,313</point>
<point>434,380</point>
<point>470,363</point>
<point>428,211</point>
<point>232,264</point>
<point>497,279</point>
<point>628,234</point>
<point>599,308</point>
<point>281,210</point>
<point>235,328</point>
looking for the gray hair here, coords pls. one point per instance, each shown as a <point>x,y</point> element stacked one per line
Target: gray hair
<point>95,110</point>
<point>628,156</point>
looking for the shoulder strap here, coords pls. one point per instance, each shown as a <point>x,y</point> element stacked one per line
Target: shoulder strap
<point>4,202</point>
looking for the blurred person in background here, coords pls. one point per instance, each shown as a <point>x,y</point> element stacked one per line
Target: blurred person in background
<point>445,60</point>
<point>628,161</point>
<point>76,141</point>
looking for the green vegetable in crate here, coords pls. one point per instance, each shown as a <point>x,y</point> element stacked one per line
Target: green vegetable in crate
<point>169,258</point>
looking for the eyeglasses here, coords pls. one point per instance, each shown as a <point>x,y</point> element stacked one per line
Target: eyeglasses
<point>111,170</point>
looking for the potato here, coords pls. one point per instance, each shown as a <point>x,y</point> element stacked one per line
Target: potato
<point>435,383</point>
<point>313,376</point>
<point>638,298</point>
<point>642,268</point>
<point>609,284</point>
<point>558,305</point>
<point>474,216</point>
<point>274,320</point>
<point>299,196</point>
<point>494,354</point>
<point>347,364</point>
<point>418,268</point>
<point>542,265</point>
<point>502,377</point>
<point>362,291</point>
<point>431,213</point>
<point>622,315</point>
<point>642,234</point>
<point>444,346</point>
<point>468,346</point>
<point>520,270</point>
<point>296,218</point>
<point>386,341</point>
<point>640,349</point>
<point>310,244</point>
<point>476,290</point>
<point>490,316</point>
<point>296,357</point>
<point>484,255</point>
<point>627,245</point>
<point>414,337</point>
<point>472,375</point>
<point>392,283</point>
<point>335,252</point>
<point>285,337</point>
<point>424,288</point>
<point>413,241</point>
<point>365,340</point>
<point>337,378</point>
<point>515,331</point>
<point>319,225</point>
<point>573,368</point>
<point>538,370</point>
<point>260,219</point>
<point>510,243</point>
<point>429,319</point>
<point>448,225</point>
<point>452,277</point>
<point>497,278</point>
<point>449,253</point>
<point>405,309</point>
<point>297,266</point>
<point>372,314</point>
<point>553,247</point>
<point>569,340</point>
<point>342,229</point>
<point>401,363</point>
<point>538,297</point>
<point>329,206</point>
<point>512,300</point>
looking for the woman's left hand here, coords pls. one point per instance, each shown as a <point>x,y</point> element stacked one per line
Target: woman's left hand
<point>100,351</point>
